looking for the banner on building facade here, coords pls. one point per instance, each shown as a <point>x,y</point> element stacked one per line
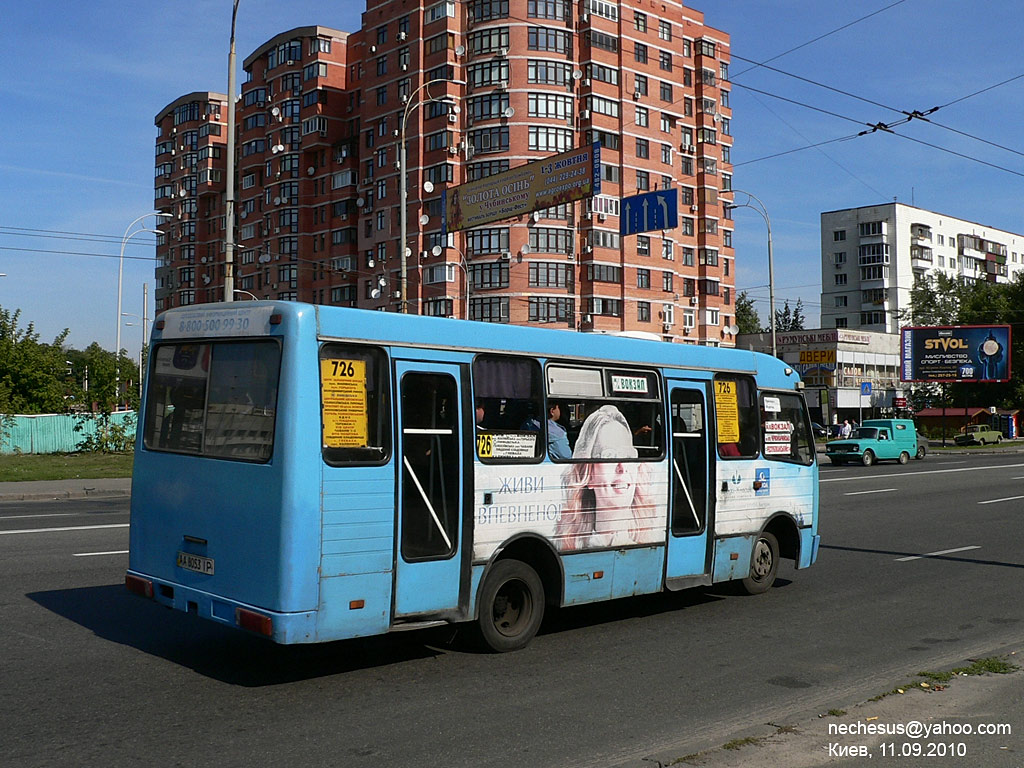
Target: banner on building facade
<point>555,180</point>
<point>971,353</point>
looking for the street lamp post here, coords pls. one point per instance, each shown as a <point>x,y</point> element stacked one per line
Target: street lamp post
<point>403,189</point>
<point>437,250</point>
<point>142,323</point>
<point>760,208</point>
<point>128,235</point>
<point>229,197</point>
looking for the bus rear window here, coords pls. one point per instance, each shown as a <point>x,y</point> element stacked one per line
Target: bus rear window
<point>216,399</point>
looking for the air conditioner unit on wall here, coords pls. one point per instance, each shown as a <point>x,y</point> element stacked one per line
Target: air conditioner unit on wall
<point>693,300</point>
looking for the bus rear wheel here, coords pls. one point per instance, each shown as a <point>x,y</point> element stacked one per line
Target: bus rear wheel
<point>511,606</point>
<point>764,564</point>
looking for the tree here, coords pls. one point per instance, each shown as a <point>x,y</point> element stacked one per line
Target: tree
<point>787,319</point>
<point>33,376</point>
<point>746,316</point>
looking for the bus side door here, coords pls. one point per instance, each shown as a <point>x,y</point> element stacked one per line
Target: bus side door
<point>431,576</point>
<point>691,512</point>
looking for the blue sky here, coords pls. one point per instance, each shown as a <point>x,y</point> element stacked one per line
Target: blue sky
<point>82,83</point>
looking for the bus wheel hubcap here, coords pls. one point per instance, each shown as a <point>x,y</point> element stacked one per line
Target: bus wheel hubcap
<point>512,608</point>
<point>762,560</point>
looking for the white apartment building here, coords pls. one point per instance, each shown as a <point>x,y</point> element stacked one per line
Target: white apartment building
<point>871,255</point>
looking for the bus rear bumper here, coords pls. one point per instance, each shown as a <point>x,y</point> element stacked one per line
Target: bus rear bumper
<point>284,628</point>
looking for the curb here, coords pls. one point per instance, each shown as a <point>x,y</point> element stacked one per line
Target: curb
<point>85,493</point>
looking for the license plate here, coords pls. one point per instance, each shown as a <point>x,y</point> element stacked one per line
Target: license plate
<point>196,563</point>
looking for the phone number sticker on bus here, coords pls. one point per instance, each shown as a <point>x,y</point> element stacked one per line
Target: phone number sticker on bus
<point>202,323</point>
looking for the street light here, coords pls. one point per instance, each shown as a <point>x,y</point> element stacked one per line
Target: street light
<point>403,187</point>
<point>253,296</point>
<point>128,235</point>
<point>142,323</point>
<point>229,197</point>
<point>771,264</point>
<point>437,250</point>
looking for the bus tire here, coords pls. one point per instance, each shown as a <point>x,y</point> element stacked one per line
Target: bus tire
<point>868,458</point>
<point>511,606</point>
<point>904,457</point>
<point>764,564</point>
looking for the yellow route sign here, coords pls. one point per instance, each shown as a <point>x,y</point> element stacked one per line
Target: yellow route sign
<point>343,395</point>
<point>727,412</point>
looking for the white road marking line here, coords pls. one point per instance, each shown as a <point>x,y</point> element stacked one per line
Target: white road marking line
<point>93,554</point>
<point>25,517</point>
<point>861,493</point>
<point>996,501</point>
<point>935,554</point>
<point>70,528</point>
<point>923,472</point>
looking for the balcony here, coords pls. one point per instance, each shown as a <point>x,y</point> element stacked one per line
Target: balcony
<point>920,256</point>
<point>920,233</point>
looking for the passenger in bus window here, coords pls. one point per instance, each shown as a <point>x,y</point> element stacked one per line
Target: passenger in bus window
<point>607,500</point>
<point>558,442</point>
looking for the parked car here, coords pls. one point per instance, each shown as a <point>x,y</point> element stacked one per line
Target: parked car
<point>922,446</point>
<point>978,434</point>
<point>820,432</point>
<point>876,440</point>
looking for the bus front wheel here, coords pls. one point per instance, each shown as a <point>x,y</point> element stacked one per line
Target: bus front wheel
<point>764,564</point>
<point>511,606</point>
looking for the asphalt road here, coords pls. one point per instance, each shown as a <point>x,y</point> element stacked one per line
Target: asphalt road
<point>92,675</point>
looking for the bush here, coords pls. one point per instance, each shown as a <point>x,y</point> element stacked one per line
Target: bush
<point>108,436</point>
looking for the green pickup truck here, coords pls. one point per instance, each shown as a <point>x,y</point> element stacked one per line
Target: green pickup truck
<point>978,434</point>
<point>877,440</point>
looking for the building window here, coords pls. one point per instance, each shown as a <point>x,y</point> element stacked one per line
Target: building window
<point>838,235</point>
<point>643,311</point>
<point>840,279</point>
<point>643,278</point>
<point>639,21</point>
<point>545,309</point>
<point>643,149</point>
<point>664,30</point>
<point>665,60</point>
<point>640,53</point>
<point>666,91</point>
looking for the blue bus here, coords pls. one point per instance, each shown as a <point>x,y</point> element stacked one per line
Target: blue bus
<point>315,473</point>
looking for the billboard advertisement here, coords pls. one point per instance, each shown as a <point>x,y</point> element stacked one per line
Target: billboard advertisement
<point>541,184</point>
<point>972,353</point>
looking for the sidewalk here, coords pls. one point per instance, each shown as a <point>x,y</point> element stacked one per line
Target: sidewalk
<point>861,734</point>
<point>45,490</point>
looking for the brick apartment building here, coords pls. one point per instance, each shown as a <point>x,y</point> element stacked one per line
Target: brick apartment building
<point>512,81</point>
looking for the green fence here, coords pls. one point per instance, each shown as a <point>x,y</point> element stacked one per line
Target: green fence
<point>53,432</point>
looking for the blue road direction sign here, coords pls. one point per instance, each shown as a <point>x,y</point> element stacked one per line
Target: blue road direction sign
<point>651,210</point>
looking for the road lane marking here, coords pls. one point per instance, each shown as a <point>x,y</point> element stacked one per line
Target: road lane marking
<point>69,528</point>
<point>935,554</point>
<point>861,493</point>
<point>94,554</point>
<point>890,475</point>
<point>996,501</point>
<point>55,514</point>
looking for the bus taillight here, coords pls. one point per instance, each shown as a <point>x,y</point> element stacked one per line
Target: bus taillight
<point>254,622</point>
<point>138,586</point>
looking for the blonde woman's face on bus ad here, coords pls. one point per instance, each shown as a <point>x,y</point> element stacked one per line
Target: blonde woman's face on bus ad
<point>613,478</point>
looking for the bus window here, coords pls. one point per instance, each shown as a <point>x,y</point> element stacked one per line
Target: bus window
<point>510,418</point>
<point>356,411</point>
<point>216,399</point>
<point>631,398</point>
<point>736,416</point>
<point>787,436</point>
